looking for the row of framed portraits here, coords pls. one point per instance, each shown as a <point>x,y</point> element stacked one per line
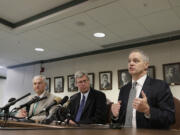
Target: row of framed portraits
<point>171,74</point>
<point>59,83</point>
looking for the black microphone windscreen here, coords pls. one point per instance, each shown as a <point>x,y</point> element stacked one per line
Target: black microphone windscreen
<point>64,100</point>
<point>11,99</point>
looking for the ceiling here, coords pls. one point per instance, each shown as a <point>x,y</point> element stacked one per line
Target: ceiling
<point>65,28</point>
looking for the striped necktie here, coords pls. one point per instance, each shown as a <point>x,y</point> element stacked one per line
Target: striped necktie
<point>80,110</point>
<point>35,108</point>
<point>129,110</point>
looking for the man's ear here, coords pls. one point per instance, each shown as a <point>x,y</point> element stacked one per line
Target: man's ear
<point>146,64</point>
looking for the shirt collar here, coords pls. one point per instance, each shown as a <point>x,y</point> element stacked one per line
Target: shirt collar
<point>85,94</point>
<point>42,94</point>
<point>141,80</point>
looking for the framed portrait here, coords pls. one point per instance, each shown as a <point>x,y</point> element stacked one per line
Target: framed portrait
<point>48,84</point>
<point>58,84</point>
<point>71,83</point>
<point>123,77</point>
<point>105,80</point>
<point>171,73</point>
<point>151,72</point>
<point>91,79</point>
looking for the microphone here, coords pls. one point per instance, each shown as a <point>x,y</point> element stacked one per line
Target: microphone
<point>13,102</point>
<point>63,115</point>
<point>64,100</point>
<point>53,116</point>
<point>56,101</point>
<point>33,100</point>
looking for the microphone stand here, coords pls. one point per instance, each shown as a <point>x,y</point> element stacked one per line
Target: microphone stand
<point>6,116</point>
<point>47,112</point>
<point>27,109</point>
<point>7,106</point>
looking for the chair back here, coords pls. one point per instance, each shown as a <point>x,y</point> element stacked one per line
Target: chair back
<point>177,114</point>
<point>109,114</point>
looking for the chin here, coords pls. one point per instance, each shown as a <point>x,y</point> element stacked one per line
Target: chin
<point>131,72</point>
<point>84,91</point>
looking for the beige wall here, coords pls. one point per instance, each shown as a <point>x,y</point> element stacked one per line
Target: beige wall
<point>2,85</point>
<point>159,54</point>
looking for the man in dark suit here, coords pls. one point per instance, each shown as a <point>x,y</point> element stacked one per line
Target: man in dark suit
<point>152,105</point>
<point>89,105</point>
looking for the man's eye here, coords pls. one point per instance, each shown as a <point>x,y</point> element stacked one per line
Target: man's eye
<point>136,60</point>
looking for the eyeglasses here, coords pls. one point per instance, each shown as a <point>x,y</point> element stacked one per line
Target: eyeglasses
<point>83,81</point>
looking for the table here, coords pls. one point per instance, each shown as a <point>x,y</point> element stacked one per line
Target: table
<point>76,131</point>
<point>21,128</point>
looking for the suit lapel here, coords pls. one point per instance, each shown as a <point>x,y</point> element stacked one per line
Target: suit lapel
<point>126,96</point>
<point>32,106</point>
<point>41,103</point>
<point>77,102</point>
<point>89,100</point>
<point>146,87</point>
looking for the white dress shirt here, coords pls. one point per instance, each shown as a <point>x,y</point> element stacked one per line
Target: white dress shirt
<point>86,96</point>
<point>139,85</point>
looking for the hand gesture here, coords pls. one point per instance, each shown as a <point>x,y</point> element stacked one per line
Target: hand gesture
<point>115,108</point>
<point>141,104</point>
<point>22,113</point>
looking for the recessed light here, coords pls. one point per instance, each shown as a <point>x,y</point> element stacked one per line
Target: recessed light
<point>99,34</point>
<point>39,49</point>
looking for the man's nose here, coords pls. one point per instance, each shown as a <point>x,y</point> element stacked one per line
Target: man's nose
<point>83,82</point>
<point>131,63</point>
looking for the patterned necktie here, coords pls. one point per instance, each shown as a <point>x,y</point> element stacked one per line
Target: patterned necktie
<point>80,110</point>
<point>129,110</point>
<point>34,108</point>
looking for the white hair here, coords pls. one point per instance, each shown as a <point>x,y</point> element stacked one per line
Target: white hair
<point>144,55</point>
<point>40,76</point>
<point>80,74</point>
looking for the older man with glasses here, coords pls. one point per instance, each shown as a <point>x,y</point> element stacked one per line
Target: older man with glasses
<point>89,105</point>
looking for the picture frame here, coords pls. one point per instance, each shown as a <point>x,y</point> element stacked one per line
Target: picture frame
<point>123,77</point>
<point>171,73</point>
<point>48,84</point>
<point>71,83</point>
<point>91,79</point>
<point>105,80</point>
<point>151,72</point>
<point>59,84</point>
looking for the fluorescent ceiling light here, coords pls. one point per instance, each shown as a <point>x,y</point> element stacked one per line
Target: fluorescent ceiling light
<point>99,34</point>
<point>39,49</point>
<point>1,67</point>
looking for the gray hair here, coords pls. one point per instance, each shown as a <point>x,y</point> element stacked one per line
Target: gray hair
<point>40,76</point>
<point>144,55</point>
<point>80,74</point>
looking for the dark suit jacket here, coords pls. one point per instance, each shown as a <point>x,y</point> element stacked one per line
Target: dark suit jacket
<point>95,110</point>
<point>161,104</point>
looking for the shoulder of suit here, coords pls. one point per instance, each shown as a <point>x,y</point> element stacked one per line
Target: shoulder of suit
<point>74,96</point>
<point>158,83</point>
<point>97,92</point>
<point>127,85</point>
<point>49,95</point>
<point>156,80</point>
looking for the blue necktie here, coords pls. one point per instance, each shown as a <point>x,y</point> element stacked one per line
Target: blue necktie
<point>80,110</point>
